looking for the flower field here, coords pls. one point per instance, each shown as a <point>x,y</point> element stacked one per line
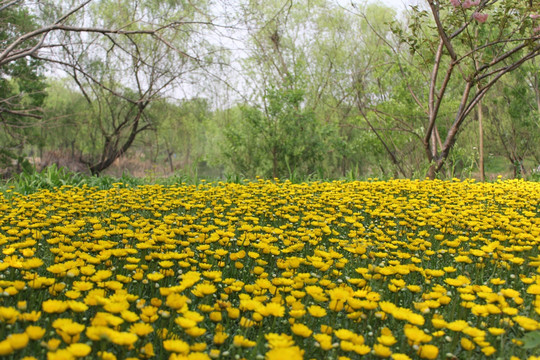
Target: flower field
<point>396,269</point>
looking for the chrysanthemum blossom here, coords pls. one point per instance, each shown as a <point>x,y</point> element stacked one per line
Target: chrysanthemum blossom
<point>292,353</point>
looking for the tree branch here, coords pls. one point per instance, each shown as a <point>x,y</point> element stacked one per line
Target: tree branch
<point>5,6</point>
<point>442,33</point>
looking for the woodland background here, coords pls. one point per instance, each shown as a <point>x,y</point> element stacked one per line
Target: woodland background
<point>303,89</point>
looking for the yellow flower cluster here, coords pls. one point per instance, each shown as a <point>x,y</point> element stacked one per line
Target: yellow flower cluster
<point>396,269</point>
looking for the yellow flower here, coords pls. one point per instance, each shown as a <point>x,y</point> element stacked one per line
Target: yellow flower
<point>488,350</point>
<point>81,286</point>
<point>220,337</point>
<point>233,313</point>
<point>156,276</point>
<point>457,325</point>
<point>381,350</point>
<point>467,344</point>
<point>5,348</point>
<point>79,350</point>
<point>176,301</point>
<point>301,330</point>
<point>198,347</point>
<point>18,341</point>
<point>324,340</point>
<point>361,349</point>
<point>185,323</point>
<point>289,353</point>
<point>141,329</point>
<point>272,309</point>
<point>22,305</point>
<point>195,331</point>
<point>215,316</point>
<point>129,316</point>
<point>496,331</point>
<point>53,344</point>
<point>62,354</point>
<point>54,306</point>
<point>35,332</point>
<point>105,355</point>
<point>344,334</point>
<point>428,351</point>
<point>387,340</point>
<point>8,314</point>
<point>149,314</point>
<point>387,307</point>
<point>148,350</point>
<point>68,326</point>
<point>416,335</point>
<point>316,311</point>
<point>177,346</point>
<point>398,356</point>
<point>279,340</point>
<point>316,293</point>
<point>98,333</point>
<point>124,338</point>
<point>241,341</point>
<point>527,323</point>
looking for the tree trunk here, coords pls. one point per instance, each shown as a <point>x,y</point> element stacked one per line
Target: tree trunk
<point>111,152</point>
<point>432,171</point>
<point>169,158</point>
<point>274,162</point>
<point>481,143</point>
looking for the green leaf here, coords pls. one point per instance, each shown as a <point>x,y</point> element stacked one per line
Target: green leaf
<point>531,340</point>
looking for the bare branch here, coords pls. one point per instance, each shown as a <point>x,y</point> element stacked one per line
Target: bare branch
<point>8,4</point>
<point>411,91</point>
<point>435,10</point>
<point>23,113</point>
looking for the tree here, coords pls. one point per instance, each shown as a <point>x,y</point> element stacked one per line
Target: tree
<point>121,56</point>
<point>278,131</point>
<point>515,127</point>
<point>21,88</point>
<point>181,131</point>
<point>478,43</point>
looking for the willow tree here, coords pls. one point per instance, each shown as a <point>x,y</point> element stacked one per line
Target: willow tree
<point>120,55</point>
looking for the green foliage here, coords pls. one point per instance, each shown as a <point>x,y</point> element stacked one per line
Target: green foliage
<point>53,177</point>
<point>285,140</point>
<point>181,132</point>
<point>324,84</point>
<point>531,340</point>
<point>22,91</point>
<point>514,130</point>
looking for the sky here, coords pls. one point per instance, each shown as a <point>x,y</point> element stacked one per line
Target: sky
<point>398,4</point>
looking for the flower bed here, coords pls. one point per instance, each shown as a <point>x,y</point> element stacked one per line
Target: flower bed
<point>398,269</point>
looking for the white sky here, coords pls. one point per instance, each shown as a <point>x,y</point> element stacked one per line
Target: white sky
<point>398,4</point>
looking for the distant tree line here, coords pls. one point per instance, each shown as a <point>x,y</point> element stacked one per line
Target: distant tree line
<point>280,88</point>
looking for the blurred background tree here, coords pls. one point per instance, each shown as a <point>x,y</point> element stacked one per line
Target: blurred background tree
<point>291,89</point>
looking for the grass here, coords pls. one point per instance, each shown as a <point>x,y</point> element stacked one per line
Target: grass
<point>400,269</point>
